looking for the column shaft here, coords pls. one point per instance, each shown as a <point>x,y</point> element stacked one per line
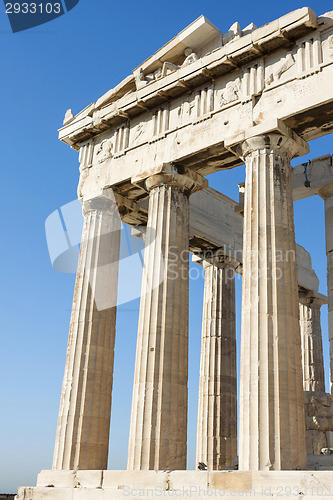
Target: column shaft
<point>329,253</point>
<point>82,438</point>
<point>272,423</point>
<point>326,193</point>
<point>312,345</point>
<point>158,430</point>
<point>217,408</point>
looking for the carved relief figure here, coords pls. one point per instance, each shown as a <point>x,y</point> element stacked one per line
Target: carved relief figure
<point>104,150</point>
<point>141,79</point>
<point>138,132</point>
<point>190,57</point>
<point>231,92</point>
<point>84,173</point>
<point>281,68</point>
<point>185,110</point>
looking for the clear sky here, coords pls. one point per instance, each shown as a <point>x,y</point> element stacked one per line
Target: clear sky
<point>69,63</point>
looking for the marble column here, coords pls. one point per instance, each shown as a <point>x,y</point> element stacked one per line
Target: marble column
<point>311,341</point>
<point>217,407</point>
<point>272,422</point>
<point>327,194</point>
<point>82,439</point>
<point>158,429</point>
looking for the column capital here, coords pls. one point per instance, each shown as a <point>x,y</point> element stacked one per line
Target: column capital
<point>104,201</point>
<point>273,142</point>
<point>326,192</point>
<point>217,259</point>
<point>309,297</point>
<point>273,135</point>
<point>185,180</point>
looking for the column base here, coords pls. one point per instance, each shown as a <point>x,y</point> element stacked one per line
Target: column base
<point>113,485</point>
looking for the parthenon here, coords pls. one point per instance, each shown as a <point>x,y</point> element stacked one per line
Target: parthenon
<point>205,102</point>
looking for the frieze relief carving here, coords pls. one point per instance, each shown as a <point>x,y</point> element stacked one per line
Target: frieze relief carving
<point>104,150</point>
<point>84,173</point>
<point>185,111</point>
<point>247,85</point>
<point>279,69</point>
<point>136,133</point>
<point>231,92</point>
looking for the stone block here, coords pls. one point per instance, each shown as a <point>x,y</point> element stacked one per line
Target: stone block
<point>189,480</point>
<point>92,494</point>
<point>45,494</point>
<point>25,493</point>
<point>319,482</point>
<point>89,478</point>
<point>118,479</point>
<point>230,480</point>
<point>56,478</point>
<point>194,484</point>
<point>277,483</point>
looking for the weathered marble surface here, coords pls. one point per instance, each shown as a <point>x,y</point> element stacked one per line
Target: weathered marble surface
<point>311,340</point>
<point>110,485</point>
<point>326,193</point>
<point>82,439</point>
<point>272,425</point>
<point>204,102</point>
<point>217,402</point>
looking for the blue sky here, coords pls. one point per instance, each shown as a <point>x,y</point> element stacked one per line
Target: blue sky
<point>69,63</point>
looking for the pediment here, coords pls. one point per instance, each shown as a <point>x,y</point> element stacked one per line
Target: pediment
<point>197,40</point>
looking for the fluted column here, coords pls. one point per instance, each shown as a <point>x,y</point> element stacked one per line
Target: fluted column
<point>217,407</point>
<point>327,194</point>
<point>272,423</point>
<point>82,438</point>
<point>158,430</point>
<point>311,341</point>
